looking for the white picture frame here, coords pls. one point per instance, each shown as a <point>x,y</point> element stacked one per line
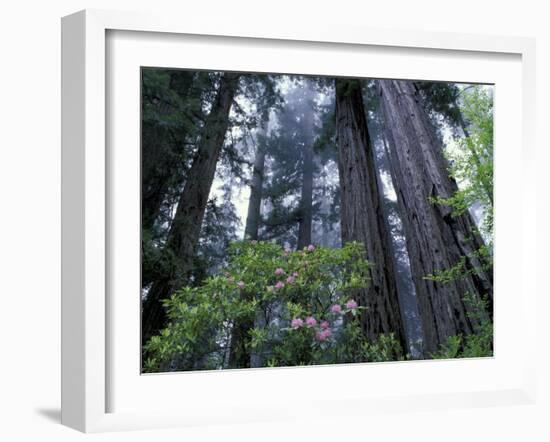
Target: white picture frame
<point>87,353</point>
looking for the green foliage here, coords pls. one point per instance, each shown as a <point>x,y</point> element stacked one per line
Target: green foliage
<point>354,348</point>
<point>471,165</point>
<point>450,349</point>
<point>461,269</point>
<point>295,294</point>
<point>476,345</point>
<point>471,159</point>
<point>444,276</point>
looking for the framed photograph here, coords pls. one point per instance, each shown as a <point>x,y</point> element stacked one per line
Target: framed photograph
<point>279,223</point>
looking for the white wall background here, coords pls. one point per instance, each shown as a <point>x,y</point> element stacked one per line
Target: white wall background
<point>30,215</point>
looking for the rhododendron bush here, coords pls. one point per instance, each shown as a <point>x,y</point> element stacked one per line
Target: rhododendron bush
<point>271,306</point>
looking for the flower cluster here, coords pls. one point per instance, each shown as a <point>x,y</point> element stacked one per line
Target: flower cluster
<point>311,321</point>
<point>280,284</point>
<point>351,304</point>
<point>322,333</point>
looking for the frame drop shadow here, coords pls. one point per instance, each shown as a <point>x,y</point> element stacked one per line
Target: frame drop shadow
<point>51,414</point>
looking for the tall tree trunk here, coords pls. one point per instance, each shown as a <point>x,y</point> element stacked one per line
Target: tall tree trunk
<point>404,281</point>
<point>255,201</point>
<point>184,232</point>
<point>306,199</point>
<point>361,213</point>
<point>239,356</point>
<point>436,240</point>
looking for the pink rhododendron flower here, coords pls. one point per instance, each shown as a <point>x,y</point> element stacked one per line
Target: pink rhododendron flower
<point>279,271</point>
<point>296,323</point>
<point>324,325</point>
<point>351,304</point>
<point>311,321</point>
<point>336,308</point>
<point>290,280</point>
<point>295,274</point>
<point>279,285</point>
<point>241,285</point>
<point>310,248</point>
<point>322,335</point>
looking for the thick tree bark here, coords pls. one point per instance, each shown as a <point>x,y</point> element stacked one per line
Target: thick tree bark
<point>436,240</point>
<point>184,232</point>
<point>361,213</point>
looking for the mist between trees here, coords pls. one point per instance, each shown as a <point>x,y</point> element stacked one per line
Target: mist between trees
<point>293,220</point>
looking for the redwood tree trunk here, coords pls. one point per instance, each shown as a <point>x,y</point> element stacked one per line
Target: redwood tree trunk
<point>361,213</point>
<point>184,232</point>
<point>436,240</point>
<point>256,187</point>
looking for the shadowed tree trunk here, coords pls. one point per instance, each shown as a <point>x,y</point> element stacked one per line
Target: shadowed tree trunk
<point>362,217</point>
<point>183,237</point>
<point>239,356</point>
<point>436,240</point>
